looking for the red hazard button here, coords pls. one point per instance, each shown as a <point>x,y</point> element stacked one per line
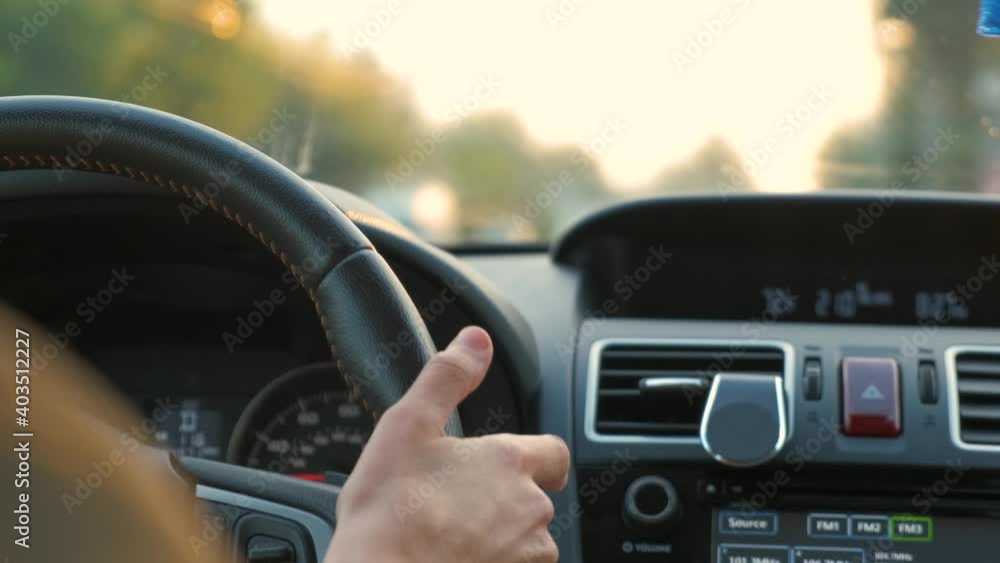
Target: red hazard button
<point>871,397</point>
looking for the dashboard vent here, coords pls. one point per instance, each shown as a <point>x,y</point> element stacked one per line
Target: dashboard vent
<point>661,390</point>
<point>978,376</point>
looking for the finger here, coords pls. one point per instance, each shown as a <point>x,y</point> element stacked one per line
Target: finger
<point>546,459</point>
<point>539,547</point>
<point>449,377</point>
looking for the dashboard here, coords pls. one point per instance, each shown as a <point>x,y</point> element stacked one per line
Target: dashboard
<point>215,348</point>
<point>795,260</point>
<point>770,379</point>
<point>791,286</point>
<point>302,423</point>
<point>747,382</point>
<point>196,348</point>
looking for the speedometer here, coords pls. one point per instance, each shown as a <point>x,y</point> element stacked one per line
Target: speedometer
<point>302,424</point>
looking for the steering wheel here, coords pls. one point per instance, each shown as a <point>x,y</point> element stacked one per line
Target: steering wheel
<point>360,303</point>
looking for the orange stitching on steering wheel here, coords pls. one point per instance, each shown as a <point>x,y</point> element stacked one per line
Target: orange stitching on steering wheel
<point>54,162</point>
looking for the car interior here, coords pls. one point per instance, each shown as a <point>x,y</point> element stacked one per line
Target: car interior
<point>741,374</point>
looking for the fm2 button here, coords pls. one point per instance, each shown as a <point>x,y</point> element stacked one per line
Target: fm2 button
<point>871,397</point>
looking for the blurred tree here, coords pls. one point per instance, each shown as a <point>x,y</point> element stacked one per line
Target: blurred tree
<point>929,131</point>
<point>715,167</point>
<point>499,168</point>
<point>213,63</point>
<point>345,121</point>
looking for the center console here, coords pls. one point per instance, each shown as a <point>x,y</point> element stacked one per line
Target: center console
<point>783,518</point>
<point>819,444</point>
<point>843,537</point>
<point>755,384</point>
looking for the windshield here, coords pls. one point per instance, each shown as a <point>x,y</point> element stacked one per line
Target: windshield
<point>504,121</point>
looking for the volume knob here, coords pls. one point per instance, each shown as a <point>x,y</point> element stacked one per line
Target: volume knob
<point>651,501</point>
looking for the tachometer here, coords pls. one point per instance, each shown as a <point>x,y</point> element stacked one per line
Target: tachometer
<point>302,424</point>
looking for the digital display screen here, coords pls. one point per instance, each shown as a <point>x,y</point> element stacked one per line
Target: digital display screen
<point>196,427</point>
<point>849,537</point>
<point>957,291</point>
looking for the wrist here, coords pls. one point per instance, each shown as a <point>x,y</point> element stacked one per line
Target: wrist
<point>367,548</point>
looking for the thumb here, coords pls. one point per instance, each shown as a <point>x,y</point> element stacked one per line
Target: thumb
<point>449,377</point>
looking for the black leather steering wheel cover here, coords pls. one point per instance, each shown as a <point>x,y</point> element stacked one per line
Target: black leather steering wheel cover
<point>360,302</point>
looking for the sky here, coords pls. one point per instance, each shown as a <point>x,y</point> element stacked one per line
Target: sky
<point>774,78</point>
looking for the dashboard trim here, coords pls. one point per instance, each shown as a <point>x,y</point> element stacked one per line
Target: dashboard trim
<point>590,405</point>
<point>954,413</point>
<point>321,532</point>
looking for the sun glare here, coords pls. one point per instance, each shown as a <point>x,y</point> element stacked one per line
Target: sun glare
<point>434,208</point>
<point>772,78</point>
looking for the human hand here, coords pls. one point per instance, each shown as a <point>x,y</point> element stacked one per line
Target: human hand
<point>486,502</point>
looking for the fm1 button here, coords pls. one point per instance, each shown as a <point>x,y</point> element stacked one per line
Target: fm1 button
<point>828,526</point>
<point>871,397</point>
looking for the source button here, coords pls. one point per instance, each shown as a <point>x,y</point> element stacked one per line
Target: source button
<point>764,524</point>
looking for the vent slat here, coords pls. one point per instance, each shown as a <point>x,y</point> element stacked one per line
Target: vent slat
<point>985,387</point>
<point>986,437</point>
<point>619,427</point>
<point>976,412</point>
<point>622,409</point>
<point>979,367</point>
<point>707,354</point>
<point>650,373</point>
<point>619,393</point>
<point>978,376</point>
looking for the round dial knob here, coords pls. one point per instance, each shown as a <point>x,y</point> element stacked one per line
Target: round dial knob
<point>651,501</point>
